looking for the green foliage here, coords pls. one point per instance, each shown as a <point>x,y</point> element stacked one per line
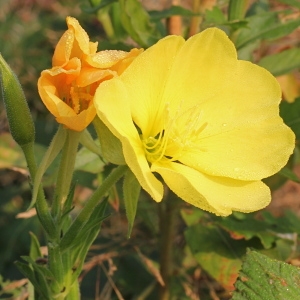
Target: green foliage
<point>222,242</point>
<point>264,26</point>
<point>290,112</point>
<point>262,278</point>
<point>281,63</point>
<point>136,22</point>
<point>173,10</point>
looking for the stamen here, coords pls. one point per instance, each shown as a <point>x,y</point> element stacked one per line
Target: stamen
<point>178,133</point>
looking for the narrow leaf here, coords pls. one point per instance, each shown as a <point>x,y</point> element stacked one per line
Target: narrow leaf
<point>29,273</point>
<point>35,251</point>
<point>265,26</point>
<point>281,63</point>
<point>72,238</point>
<point>131,190</point>
<point>264,278</point>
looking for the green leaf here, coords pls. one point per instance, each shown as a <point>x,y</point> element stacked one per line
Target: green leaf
<point>95,220</point>
<point>29,273</point>
<point>136,22</point>
<point>290,113</point>
<point>215,16</point>
<point>247,229</point>
<point>35,251</point>
<point>216,253</point>
<point>172,11</point>
<point>262,278</point>
<point>281,63</point>
<point>264,26</point>
<point>294,3</point>
<point>131,191</point>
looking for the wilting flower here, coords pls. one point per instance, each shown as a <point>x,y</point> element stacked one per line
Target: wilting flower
<point>68,88</point>
<point>206,122</point>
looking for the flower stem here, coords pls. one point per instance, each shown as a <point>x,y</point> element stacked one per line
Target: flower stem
<point>90,205</point>
<point>167,216</point>
<point>65,172</point>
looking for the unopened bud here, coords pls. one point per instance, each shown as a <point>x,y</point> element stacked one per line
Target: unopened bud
<point>19,118</point>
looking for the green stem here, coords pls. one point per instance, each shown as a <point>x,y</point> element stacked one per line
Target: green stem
<point>167,216</point>
<point>90,205</point>
<point>65,172</point>
<point>41,203</point>
<point>56,267</point>
<point>74,293</point>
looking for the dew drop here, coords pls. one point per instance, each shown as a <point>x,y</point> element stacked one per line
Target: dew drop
<point>224,124</point>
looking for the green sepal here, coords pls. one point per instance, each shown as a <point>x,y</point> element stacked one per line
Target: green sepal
<point>18,114</point>
<point>111,146</point>
<point>87,141</point>
<point>131,192</point>
<point>35,251</point>
<point>51,153</point>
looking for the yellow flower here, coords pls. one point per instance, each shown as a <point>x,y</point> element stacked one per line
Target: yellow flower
<point>206,122</point>
<point>68,88</point>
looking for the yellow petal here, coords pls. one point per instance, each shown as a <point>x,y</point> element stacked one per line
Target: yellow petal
<point>106,58</point>
<point>73,43</point>
<point>215,194</point>
<point>145,80</point>
<point>78,122</point>
<point>90,75</point>
<point>117,118</point>
<point>63,49</point>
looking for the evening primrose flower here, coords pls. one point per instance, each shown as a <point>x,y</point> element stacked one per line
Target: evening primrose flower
<point>203,120</point>
<point>68,88</point>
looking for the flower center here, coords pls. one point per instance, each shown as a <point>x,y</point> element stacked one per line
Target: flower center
<point>180,132</point>
<point>79,98</point>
